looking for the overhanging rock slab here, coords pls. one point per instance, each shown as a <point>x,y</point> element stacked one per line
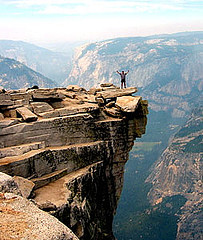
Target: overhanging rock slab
<point>128,103</point>
<point>113,93</point>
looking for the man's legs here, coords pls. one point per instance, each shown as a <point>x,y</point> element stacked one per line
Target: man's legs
<point>123,83</point>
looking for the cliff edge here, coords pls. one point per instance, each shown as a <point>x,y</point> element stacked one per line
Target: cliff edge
<point>68,146</point>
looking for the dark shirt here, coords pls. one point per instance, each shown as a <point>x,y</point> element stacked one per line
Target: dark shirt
<point>123,76</point>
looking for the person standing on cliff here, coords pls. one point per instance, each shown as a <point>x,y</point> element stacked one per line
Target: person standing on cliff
<point>123,78</point>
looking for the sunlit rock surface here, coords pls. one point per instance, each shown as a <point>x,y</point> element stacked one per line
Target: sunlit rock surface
<point>73,145</point>
<point>21,219</point>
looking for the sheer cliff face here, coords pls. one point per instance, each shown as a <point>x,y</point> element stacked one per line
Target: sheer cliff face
<point>179,172</point>
<point>73,146</point>
<point>94,193</point>
<point>168,68</point>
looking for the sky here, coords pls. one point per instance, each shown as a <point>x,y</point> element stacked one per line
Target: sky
<point>50,21</point>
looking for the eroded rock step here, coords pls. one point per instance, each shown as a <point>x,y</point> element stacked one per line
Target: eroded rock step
<point>51,177</point>
<point>20,149</point>
<point>37,163</point>
<point>57,192</point>
<point>51,130</point>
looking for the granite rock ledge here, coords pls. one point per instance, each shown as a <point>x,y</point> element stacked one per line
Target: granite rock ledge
<point>69,146</point>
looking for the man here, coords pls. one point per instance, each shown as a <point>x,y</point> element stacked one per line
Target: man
<point>123,81</point>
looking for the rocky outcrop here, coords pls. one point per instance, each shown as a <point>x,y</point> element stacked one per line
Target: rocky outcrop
<point>179,172</point>
<point>73,150</point>
<point>168,69</point>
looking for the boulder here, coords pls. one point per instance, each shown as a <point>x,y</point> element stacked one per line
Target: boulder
<point>21,102</point>
<point>7,184</point>
<point>24,185</point>
<point>26,114</point>
<point>40,107</point>
<point>128,103</point>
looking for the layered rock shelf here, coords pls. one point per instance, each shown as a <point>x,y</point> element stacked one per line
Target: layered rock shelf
<point>64,149</point>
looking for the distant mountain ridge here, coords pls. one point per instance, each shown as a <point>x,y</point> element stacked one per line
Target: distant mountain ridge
<point>167,69</point>
<point>15,75</point>
<point>179,172</point>
<point>51,64</point>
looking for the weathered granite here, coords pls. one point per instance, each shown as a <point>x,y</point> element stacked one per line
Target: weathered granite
<point>20,149</point>
<point>46,94</point>
<point>6,102</point>
<point>40,107</point>
<point>128,103</point>
<point>24,185</point>
<point>74,152</point>
<point>113,112</point>
<point>21,219</point>
<point>17,185</point>
<point>26,114</point>
<point>20,96</point>
<point>8,123</point>
<point>8,185</point>
<point>85,108</point>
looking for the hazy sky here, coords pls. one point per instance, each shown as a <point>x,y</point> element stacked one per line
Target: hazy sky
<point>74,20</point>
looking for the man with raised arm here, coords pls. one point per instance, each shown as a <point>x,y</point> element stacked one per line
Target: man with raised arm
<point>123,79</point>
